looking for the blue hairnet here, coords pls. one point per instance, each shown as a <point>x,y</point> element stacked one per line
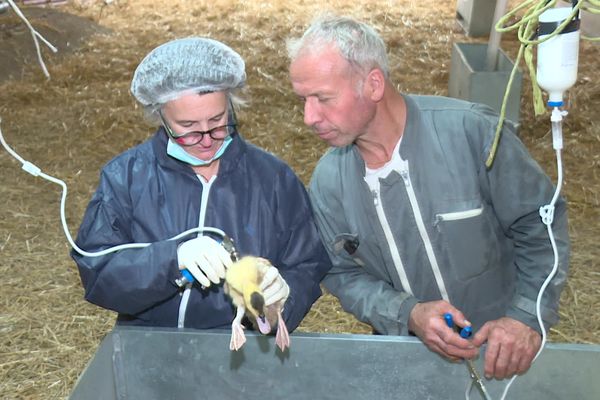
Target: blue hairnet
<point>182,66</point>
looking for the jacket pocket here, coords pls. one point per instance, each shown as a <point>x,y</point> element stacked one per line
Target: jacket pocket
<point>454,216</point>
<point>468,239</point>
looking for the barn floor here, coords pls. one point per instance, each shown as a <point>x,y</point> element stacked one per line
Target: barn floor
<point>73,123</point>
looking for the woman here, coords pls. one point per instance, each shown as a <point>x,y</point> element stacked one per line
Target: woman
<point>196,171</point>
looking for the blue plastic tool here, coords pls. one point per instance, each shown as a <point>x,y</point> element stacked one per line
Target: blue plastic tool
<point>464,333</point>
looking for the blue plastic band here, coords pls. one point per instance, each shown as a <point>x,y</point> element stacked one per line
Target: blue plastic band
<point>187,275</point>
<point>555,103</point>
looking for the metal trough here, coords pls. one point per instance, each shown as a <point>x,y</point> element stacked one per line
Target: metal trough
<point>471,80</point>
<point>142,363</point>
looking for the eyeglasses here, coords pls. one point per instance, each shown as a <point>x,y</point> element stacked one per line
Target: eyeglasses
<point>195,137</point>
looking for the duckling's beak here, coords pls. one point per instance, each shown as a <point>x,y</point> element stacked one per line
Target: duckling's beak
<point>263,325</point>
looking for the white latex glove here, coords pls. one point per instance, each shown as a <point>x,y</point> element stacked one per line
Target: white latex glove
<point>205,258</point>
<point>274,287</point>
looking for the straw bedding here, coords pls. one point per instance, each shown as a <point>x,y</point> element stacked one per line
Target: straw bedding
<point>75,122</point>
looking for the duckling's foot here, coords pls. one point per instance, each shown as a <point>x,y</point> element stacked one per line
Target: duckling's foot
<point>237,336</point>
<point>282,338</point>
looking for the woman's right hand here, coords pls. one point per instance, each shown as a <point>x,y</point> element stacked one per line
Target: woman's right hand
<point>205,258</point>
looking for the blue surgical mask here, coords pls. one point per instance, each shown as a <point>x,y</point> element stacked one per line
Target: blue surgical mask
<point>179,153</point>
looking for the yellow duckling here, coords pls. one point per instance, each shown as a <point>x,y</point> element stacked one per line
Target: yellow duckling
<point>242,284</point>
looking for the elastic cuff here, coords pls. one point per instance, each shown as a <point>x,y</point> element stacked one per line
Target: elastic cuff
<point>404,314</point>
<point>524,310</point>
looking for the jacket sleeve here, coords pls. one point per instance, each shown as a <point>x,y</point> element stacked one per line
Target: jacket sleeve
<point>370,299</point>
<point>127,281</point>
<point>302,259</point>
<point>517,187</point>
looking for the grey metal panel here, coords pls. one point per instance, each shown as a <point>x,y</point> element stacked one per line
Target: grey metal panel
<point>469,79</point>
<point>475,16</point>
<point>172,364</point>
<point>97,381</point>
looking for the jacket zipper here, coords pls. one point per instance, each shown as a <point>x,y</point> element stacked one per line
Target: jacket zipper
<point>392,243</point>
<point>423,232</point>
<point>185,297</point>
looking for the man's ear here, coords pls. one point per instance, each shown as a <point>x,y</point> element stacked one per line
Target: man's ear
<point>374,85</point>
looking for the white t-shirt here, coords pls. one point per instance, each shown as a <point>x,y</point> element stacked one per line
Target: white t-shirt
<point>372,176</point>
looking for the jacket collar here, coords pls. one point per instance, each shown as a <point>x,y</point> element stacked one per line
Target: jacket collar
<point>412,129</point>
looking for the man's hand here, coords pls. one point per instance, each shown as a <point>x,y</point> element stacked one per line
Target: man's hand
<point>511,347</point>
<point>427,322</point>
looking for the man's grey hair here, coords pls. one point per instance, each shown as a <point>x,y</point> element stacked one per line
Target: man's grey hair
<point>357,42</point>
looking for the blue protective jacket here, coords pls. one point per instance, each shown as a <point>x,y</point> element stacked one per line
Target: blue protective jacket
<point>144,195</point>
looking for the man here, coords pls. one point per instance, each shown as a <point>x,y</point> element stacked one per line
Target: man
<point>414,223</point>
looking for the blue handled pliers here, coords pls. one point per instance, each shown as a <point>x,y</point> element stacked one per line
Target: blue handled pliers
<point>465,333</point>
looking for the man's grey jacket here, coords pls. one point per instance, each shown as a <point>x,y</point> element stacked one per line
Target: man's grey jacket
<point>442,226</point>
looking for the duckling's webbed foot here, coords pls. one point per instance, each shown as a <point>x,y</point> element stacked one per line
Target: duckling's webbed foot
<point>282,338</point>
<point>238,338</point>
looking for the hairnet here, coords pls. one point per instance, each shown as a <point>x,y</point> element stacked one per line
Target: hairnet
<point>190,65</point>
